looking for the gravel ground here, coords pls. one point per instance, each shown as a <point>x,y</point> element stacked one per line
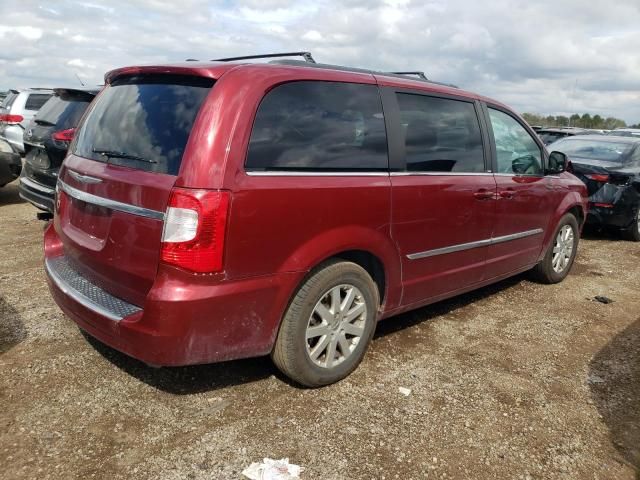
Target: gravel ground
<point>515,381</point>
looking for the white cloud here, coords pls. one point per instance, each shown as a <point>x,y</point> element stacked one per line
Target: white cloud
<point>526,54</point>
<point>25,31</point>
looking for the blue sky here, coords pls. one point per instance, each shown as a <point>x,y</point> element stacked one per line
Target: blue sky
<point>548,57</point>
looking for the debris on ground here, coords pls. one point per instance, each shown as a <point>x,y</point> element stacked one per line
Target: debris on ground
<point>271,469</point>
<point>592,379</point>
<point>601,299</point>
<point>404,391</point>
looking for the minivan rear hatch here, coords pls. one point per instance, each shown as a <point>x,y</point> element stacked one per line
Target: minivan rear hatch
<point>114,186</point>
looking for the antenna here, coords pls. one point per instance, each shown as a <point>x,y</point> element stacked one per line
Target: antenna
<point>78,77</point>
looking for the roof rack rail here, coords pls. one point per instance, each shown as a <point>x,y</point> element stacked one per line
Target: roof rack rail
<point>306,55</point>
<point>417,74</point>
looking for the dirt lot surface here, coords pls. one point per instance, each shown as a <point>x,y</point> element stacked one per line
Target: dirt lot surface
<point>515,381</point>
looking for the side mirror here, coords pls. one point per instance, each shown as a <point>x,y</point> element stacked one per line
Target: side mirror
<point>558,163</point>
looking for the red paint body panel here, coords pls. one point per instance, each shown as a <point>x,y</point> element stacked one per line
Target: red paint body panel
<point>432,212</point>
<point>281,226</point>
<point>523,203</point>
<point>117,251</point>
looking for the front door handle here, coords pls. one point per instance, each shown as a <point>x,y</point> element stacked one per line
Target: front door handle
<point>508,193</point>
<point>484,194</point>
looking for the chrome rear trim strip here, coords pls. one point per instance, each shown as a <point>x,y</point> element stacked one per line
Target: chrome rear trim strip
<point>108,203</point>
<point>468,246</point>
<point>36,186</point>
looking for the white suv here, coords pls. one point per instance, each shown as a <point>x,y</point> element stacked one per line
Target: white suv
<point>17,110</point>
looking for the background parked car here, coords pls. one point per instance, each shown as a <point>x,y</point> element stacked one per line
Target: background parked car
<point>625,132</point>
<point>550,135</point>
<point>610,167</point>
<point>46,141</point>
<point>10,163</point>
<point>17,110</point>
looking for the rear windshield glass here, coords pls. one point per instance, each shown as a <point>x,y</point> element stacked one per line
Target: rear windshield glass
<point>143,122</point>
<point>62,114</point>
<point>593,149</point>
<point>36,100</point>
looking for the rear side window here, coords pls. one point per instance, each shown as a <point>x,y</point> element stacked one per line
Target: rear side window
<point>35,101</point>
<point>143,122</point>
<point>62,114</point>
<point>321,126</point>
<point>441,135</point>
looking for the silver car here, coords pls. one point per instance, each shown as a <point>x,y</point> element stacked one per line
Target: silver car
<point>17,110</point>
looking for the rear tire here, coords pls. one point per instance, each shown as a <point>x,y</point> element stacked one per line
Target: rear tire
<point>633,232</point>
<point>328,325</point>
<point>558,260</point>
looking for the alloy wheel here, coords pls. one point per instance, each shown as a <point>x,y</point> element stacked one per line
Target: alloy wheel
<point>563,249</point>
<point>336,326</point>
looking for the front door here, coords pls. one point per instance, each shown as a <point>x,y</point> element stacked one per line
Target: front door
<point>442,194</point>
<point>525,199</point>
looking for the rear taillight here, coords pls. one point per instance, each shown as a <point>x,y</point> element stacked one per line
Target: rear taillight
<point>194,229</point>
<point>603,205</point>
<point>598,177</point>
<point>11,119</point>
<point>63,138</point>
<point>64,135</point>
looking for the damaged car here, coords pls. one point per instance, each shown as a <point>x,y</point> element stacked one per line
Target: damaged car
<point>610,167</point>
<point>46,141</point>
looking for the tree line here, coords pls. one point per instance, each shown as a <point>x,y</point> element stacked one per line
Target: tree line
<point>582,121</point>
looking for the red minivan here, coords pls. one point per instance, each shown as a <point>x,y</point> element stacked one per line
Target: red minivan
<point>220,210</point>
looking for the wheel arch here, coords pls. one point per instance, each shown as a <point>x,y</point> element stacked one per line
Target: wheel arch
<point>573,204</point>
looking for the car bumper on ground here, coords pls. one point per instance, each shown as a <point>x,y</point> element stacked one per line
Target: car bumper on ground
<point>10,166</point>
<point>40,196</point>
<point>619,216</point>
<point>227,321</point>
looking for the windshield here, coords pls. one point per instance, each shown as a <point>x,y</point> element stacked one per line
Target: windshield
<point>143,122</point>
<point>62,114</point>
<point>594,149</point>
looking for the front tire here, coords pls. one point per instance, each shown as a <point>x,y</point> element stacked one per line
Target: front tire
<point>328,325</point>
<point>558,260</point>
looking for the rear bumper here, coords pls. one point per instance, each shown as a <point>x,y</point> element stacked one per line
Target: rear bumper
<point>13,134</point>
<point>619,216</point>
<point>178,324</point>
<point>40,196</point>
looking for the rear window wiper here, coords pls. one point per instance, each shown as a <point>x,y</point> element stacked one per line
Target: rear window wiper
<point>116,154</point>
